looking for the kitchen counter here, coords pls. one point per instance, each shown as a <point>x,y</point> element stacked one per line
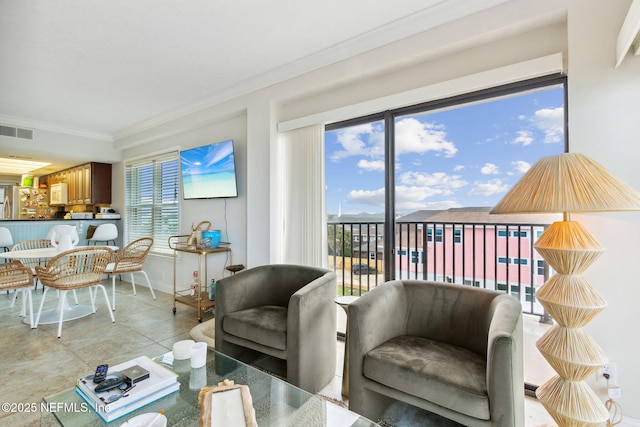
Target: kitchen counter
<point>28,229</point>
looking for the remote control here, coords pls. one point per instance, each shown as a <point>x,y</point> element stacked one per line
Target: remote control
<point>111,382</point>
<point>101,373</point>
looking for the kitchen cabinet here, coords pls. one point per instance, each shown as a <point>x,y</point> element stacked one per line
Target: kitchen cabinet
<point>80,185</point>
<point>97,183</point>
<point>88,184</point>
<point>55,178</point>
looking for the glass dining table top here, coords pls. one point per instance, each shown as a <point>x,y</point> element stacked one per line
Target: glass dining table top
<point>276,402</point>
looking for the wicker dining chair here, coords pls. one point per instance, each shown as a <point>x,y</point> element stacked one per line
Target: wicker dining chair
<point>33,262</point>
<point>14,275</point>
<point>75,269</point>
<point>130,260</point>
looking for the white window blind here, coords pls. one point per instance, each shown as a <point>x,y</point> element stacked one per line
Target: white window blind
<point>152,200</point>
<point>305,236</point>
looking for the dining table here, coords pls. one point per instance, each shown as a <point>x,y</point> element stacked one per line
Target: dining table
<point>52,315</point>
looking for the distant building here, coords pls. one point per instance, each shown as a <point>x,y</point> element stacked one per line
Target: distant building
<point>470,246</point>
<point>466,246</point>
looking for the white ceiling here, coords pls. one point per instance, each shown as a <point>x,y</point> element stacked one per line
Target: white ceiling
<point>103,68</point>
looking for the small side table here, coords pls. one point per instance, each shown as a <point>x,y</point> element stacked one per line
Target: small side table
<point>344,302</point>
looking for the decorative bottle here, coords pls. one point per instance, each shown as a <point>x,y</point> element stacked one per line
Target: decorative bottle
<point>195,283</point>
<point>212,290</point>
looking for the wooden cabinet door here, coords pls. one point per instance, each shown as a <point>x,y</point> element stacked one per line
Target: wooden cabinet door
<point>87,184</point>
<point>72,187</point>
<point>100,183</point>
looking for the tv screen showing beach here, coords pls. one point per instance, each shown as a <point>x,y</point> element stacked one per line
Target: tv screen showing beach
<point>209,171</point>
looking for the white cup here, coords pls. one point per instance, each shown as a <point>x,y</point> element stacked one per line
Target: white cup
<point>198,354</point>
<point>182,349</point>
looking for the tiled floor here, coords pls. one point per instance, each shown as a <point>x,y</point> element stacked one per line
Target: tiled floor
<point>35,363</point>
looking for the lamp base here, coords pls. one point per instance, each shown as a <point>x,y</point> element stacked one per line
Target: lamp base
<point>572,302</point>
<point>572,403</point>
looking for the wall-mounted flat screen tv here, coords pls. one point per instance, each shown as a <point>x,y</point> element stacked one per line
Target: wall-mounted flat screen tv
<point>209,171</point>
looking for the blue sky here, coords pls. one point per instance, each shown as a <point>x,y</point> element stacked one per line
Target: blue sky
<point>213,158</point>
<point>467,156</point>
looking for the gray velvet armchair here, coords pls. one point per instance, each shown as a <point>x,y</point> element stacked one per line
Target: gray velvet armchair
<point>449,349</point>
<point>285,311</point>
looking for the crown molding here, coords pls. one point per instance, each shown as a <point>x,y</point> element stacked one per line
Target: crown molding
<point>50,127</point>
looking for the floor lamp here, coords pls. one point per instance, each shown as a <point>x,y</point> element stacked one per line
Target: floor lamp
<point>567,183</point>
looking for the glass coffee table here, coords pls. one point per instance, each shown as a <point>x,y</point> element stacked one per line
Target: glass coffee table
<point>276,402</point>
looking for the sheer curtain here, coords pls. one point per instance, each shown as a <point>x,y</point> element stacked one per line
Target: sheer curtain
<point>303,197</point>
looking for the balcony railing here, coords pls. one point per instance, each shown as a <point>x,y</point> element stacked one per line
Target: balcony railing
<point>489,255</point>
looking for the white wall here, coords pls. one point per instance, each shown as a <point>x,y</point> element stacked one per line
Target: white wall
<point>227,215</point>
<point>604,106</point>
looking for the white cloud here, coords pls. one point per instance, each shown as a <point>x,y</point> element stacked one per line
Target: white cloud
<point>363,140</point>
<point>551,122</point>
<point>414,191</point>
<point>412,136</point>
<point>415,198</point>
<point>489,169</point>
<point>458,168</point>
<point>367,197</point>
<point>418,205</point>
<point>437,180</point>
<point>488,188</point>
<point>521,166</point>
<point>524,137</point>
<point>371,165</point>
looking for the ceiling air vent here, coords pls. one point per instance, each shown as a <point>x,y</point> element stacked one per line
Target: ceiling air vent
<point>16,132</point>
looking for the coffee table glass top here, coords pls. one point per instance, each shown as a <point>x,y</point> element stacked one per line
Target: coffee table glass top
<point>276,402</point>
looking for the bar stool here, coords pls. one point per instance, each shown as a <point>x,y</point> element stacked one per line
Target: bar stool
<point>104,233</point>
<point>6,240</point>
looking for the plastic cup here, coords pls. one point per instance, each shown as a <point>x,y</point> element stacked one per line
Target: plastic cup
<point>198,354</point>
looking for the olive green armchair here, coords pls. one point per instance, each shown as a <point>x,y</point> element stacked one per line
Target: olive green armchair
<point>284,311</point>
<point>452,350</point>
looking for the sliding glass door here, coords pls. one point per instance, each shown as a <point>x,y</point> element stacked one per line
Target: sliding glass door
<point>409,192</point>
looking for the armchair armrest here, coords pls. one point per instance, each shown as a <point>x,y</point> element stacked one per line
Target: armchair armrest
<point>235,293</point>
<point>372,319</point>
<point>505,370</point>
<point>311,332</point>
<point>386,308</point>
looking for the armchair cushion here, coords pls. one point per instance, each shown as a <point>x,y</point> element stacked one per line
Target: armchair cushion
<point>266,325</point>
<point>433,371</point>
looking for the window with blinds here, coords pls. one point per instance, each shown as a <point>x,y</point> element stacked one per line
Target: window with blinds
<point>152,200</point>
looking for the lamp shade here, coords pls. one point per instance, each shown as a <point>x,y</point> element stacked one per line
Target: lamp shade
<point>569,182</point>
